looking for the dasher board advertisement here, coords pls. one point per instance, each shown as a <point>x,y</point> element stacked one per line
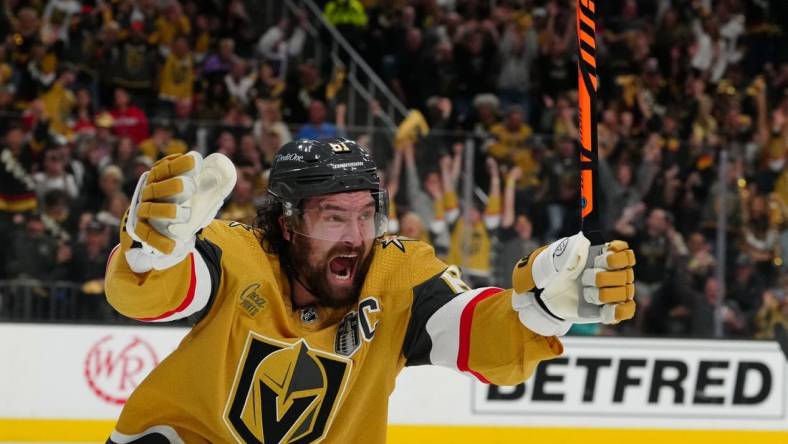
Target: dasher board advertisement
<point>85,373</point>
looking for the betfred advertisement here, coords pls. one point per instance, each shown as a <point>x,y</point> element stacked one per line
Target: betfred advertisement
<point>614,383</point>
<point>641,378</point>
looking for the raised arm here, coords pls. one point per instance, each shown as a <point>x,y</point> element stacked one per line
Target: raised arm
<point>606,176</point>
<point>456,163</point>
<point>507,218</point>
<point>295,44</point>
<point>392,188</point>
<point>474,331</point>
<point>450,203</point>
<point>341,118</point>
<point>492,213</point>
<point>498,335</point>
<point>411,171</point>
<point>394,173</point>
<point>649,167</point>
<point>163,271</point>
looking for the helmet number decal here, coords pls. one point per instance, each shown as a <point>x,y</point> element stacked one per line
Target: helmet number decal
<point>339,147</point>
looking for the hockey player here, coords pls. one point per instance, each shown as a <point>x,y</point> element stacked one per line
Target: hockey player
<point>301,324</point>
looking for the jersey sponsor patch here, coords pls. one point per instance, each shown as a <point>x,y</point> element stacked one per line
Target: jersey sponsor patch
<point>251,301</point>
<point>284,393</point>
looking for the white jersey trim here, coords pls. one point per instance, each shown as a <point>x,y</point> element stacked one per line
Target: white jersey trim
<point>200,297</point>
<point>444,329</point>
<point>166,431</point>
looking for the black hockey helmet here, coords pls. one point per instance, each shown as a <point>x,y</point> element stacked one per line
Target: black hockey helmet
<point>306,168</point>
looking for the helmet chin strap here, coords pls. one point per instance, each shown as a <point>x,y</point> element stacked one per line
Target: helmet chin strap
<point>294,273</point>
<point>303,284</point>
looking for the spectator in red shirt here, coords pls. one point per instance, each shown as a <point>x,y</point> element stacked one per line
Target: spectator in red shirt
<point>128,120</point>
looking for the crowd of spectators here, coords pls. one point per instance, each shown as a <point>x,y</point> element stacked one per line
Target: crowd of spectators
<point>93,92</point>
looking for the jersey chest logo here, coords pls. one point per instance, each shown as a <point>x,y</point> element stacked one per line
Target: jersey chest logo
<point>284,393</point>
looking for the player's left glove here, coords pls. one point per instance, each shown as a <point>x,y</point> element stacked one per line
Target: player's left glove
<point>572,282</point>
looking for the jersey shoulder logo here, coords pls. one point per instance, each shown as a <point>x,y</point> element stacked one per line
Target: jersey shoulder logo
<point>393,240</point>
<point>284,393</point>
<point>453,279</point>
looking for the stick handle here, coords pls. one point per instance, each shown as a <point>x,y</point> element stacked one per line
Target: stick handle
<point>588,84</point>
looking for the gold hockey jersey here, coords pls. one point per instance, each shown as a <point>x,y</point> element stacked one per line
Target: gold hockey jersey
<point>255,370</point>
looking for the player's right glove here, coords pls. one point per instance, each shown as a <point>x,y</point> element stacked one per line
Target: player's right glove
<point>179,196</point>
<point>571,282</point>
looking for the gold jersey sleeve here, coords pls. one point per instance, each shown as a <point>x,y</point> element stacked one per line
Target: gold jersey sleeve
<point>187,288</point>
<point>256,369</point>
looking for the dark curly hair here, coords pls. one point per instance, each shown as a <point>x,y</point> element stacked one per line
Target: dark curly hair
<point>270,231</point>
<point>270,235</point>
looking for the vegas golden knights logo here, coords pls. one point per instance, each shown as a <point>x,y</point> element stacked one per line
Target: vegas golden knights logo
<point>284,393</point>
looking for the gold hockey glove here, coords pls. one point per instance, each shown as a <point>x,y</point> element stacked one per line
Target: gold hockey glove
<point>571,282</point>
<point>179,196</point>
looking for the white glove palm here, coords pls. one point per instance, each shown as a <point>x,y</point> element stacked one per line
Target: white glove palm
<point>178,197</point>
<point>577,283</point>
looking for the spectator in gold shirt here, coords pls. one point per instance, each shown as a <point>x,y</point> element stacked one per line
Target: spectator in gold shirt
<point>510,145</point>
<point>171,25</point>
<point>510,135</point>
<point>484,218</point>
<point>241,207</point>
<point>58,103</point>
<point>177,74</point>
<point>162,144</point>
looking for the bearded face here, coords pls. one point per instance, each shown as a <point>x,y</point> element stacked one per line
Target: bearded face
<point>335,273</point>
<point>332,246</point>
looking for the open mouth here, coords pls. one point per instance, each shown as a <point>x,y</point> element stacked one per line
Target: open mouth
<point>342,266</point>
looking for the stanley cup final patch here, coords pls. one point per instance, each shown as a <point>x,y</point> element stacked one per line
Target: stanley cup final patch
<point>348,339</point>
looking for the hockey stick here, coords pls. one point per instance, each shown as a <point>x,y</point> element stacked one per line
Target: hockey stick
<point>588,84</point>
